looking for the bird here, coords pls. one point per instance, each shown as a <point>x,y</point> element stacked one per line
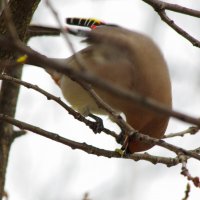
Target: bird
<point>129,60</point>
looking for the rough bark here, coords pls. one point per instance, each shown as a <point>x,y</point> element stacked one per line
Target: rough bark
<point>22,12</point>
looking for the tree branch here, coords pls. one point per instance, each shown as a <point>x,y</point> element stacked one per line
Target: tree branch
<point>178,29</point>
<point>36,30</point>
<point>160,7</point>
<point>89,148</point>
<point>49,96</point>
<point>191,130</point>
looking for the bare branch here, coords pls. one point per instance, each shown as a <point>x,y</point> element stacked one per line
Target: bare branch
<point>178,29</point>
<point>88,148</point>
<point>63,31</point>
<point>36,30</point>
<point>160,7</point>
<point>49,96</point>
<point>185,172</point>
<point>191,130</point>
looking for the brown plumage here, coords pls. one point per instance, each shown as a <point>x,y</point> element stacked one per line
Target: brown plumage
<point>129,60</point>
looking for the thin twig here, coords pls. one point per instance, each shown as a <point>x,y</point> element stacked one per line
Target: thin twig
<point>191,130</point>
<point>178,29</point>
<point>88,148</point>
<point>160,7</point>
<point>114,115</point>
<point>63,31</point>
<point>36,30</point>
<point>185,172</point>
<point>49,96</point>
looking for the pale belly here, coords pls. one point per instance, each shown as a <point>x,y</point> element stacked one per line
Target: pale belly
<point>79,98</point>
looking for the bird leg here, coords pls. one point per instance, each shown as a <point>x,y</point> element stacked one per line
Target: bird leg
<point>96,126</point>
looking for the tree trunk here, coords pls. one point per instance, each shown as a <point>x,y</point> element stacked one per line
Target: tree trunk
<point>22,12</point>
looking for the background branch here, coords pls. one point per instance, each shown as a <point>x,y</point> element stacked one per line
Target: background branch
<point>191,130</point>
<point>160,7</point>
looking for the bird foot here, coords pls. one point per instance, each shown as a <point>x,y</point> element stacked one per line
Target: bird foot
<point>96,126</point>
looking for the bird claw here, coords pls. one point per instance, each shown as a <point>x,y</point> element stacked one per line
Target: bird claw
<point>96,126</point>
